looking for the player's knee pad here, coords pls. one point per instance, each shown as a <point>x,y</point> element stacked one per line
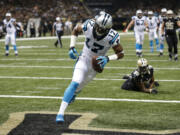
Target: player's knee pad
<point>68,94</point>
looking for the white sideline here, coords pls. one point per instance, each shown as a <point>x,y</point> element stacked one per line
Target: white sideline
<point>64,67</point>
<point>94,99</point>
<point>54,37</point>
<point>61,78</point>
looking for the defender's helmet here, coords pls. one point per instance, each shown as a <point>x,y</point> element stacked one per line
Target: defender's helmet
<point>170,13</point>
<point>103,23</point>
<point>142,64</point>
<point>139,13</point>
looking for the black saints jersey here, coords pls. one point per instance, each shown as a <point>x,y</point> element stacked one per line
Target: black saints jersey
<point>146,77</point>
<point>170,25</point>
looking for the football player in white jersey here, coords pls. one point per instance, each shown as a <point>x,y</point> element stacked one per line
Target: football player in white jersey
<point>161,36</point>
<point>58,28</point>
<point>10,26</point>
<point>139,22</point>
<point>152,22</point>
<point>99,39</point>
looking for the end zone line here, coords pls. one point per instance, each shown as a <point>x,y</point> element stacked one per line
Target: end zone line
<point>94,99</point>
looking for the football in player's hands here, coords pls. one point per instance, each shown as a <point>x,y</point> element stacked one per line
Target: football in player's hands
<point>95,64</point>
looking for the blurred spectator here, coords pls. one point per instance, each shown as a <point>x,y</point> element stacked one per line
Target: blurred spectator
<point>68,26</point>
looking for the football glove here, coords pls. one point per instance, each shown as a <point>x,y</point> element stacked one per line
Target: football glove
<point>154,91</point>
<point>73,54</point>
<point>103,60</point>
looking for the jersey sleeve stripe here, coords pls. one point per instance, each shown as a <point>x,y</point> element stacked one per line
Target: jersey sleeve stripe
<point>85,25</point>
<point>114,39</point>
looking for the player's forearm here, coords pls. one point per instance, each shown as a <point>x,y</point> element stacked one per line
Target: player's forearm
<point>76,31</point>
<point>119,53</point>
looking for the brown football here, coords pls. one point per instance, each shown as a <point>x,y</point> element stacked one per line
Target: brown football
<point>95,65</point>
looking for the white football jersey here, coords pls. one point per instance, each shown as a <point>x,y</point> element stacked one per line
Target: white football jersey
<point>160,18</point>
<point>152,22</point>
<point>58,26</point>
<point>94,47</point>
<point>10,28</point>
<point>139,23</point>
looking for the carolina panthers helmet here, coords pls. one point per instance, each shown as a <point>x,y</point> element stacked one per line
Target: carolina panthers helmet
<point>150,13</point>
<point>142,64</point>
<point>103,23</point>
<point>139,13</point>
<point>163,10</point>
<point>8,14</point>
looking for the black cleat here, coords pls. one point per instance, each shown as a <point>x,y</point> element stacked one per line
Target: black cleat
<point>55,45</point>
<point>176,59</point>
<point>6,54</point>
<point>16,54</point>
<point>160,54</point>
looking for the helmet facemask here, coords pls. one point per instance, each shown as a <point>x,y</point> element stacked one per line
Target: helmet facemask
<point>142,65</point>
<point>100,31</point>
<point>103,24</point>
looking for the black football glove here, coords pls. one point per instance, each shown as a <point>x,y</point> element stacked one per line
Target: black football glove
<point>154,91</point>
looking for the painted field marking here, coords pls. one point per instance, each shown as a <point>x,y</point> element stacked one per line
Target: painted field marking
<point>66,59</point>
<point>66,54</point>
<point>61,78</point>
<point>64,67</point>
<point>94,99</point>
<point>54,37</point>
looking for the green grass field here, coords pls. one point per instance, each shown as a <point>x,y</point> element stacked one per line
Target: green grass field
<point>44,60</point>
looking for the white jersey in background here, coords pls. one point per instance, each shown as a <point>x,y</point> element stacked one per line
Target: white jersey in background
<point>153,26</point>
<point>10,28</point>
<point>152,22</point>
<point>161,37</point>
<point>160,19</point>
<point>58,26</point>
<point>139,23</point>
<point>10,36</point>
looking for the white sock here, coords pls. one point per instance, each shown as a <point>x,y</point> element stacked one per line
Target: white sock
<point>16,52</point>
<point>63,107</point>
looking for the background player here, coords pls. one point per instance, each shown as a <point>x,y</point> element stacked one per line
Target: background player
<point>99,39</point>
<point>161,36</point>
<point>152,22</point>
<point>139,22</point>
<point>10,27</point>
<point>170,25</point>
<point>141,79</point>
<point>58,29</point>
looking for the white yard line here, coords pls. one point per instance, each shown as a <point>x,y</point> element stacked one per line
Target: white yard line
<point>64,37</point>
<point>12,66</point>
<point>66,54</point>
<point>94,99</point>
<point>65,59</point>
<point>61,78</point>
